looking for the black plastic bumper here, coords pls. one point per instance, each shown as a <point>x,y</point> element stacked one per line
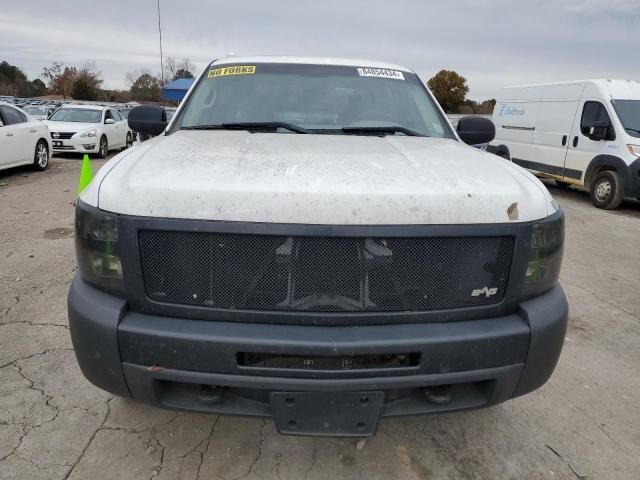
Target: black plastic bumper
<point>168,361</point>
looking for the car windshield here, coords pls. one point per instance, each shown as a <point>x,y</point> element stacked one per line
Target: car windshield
<point>79,115</point>
<point>629,113</point>
<point>36,110</point>
<point>325,99</point>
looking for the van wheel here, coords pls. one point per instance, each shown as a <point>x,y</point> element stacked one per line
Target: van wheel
<point>41,157</point>
<point>607,190</point>
<point>104,147</point>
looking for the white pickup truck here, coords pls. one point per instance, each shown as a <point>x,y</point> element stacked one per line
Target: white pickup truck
<point>308,239</point>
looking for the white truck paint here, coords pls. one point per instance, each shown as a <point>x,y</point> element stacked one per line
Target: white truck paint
<point>546,128</point>
<point>258,177</point>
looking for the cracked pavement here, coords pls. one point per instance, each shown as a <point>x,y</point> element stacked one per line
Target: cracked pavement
<point>584,423</point>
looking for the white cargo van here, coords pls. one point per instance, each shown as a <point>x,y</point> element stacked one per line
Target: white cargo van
<point>584,133</point>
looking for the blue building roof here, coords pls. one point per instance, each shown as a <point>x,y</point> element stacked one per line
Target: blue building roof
<point>177,89</point>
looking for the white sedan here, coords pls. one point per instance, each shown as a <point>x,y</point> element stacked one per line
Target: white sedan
<point>23,139</point>
<point>39,112</point>
<point>88,129</point>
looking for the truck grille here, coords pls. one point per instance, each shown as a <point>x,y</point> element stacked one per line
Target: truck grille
<point>324,274</point>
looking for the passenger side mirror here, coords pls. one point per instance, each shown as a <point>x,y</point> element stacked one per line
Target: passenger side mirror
<point>109,121</point>
<point>599,131</point>
<point>147,119</point>
<point>476,130</point>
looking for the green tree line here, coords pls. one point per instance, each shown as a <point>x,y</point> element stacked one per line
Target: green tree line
<point>85,83</point>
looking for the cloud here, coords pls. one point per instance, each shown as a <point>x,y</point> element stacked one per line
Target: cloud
<point>492,44</point>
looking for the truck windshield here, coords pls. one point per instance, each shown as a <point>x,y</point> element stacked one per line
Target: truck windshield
<point>80,115</point>
<point>322,99</point>
<point>629,113</point>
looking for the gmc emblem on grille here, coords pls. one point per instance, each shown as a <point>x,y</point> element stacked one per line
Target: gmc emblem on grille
<point>489,292</point>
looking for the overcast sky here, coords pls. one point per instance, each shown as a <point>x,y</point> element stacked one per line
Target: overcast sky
<point>492,43</point>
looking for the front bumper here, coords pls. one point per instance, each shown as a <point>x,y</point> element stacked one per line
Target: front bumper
<point>76,144</point>
<point>168,361</point>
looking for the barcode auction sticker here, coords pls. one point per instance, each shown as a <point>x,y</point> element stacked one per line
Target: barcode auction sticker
<point>380,73</point>
<point>237,70</point>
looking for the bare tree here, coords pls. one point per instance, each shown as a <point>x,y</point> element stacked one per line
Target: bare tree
<point>174,69</point>
<point>131,77</point>
<point>169,68</point>
<point>186,65</point>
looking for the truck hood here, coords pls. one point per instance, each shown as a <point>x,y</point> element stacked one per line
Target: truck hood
<point>316,179</point>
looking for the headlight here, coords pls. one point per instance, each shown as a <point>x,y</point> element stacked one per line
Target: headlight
<point>89,133</point>
<point>634,150</point>
<point>97,248</point>
<point>545,255</point>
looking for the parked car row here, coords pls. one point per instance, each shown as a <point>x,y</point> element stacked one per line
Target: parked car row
<point>27,102</point>
<point>24,139</point>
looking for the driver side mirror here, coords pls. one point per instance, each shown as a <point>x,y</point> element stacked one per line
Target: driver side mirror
<point>147,119</point>
<point>476,130</point>
<point>600,131</point>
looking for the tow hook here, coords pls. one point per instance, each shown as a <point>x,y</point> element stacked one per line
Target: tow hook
<point>210,394</point>
<point>439,394</point>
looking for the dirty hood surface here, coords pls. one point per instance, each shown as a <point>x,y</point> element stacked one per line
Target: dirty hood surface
<point>317,179</point>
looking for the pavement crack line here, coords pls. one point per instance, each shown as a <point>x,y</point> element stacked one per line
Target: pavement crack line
<point>143,430</point>
<point>605,301</point>
<point>91,439</point>
<point>260,447</point>
<point>578,476</point>
<point>20,440</point>
<point>206,449</point>
<point>314,458</point>
<point>10,307</point>
<point>157,470</point>
<point>588,417</point>
<point>13,362</point>
<point>34,324</point>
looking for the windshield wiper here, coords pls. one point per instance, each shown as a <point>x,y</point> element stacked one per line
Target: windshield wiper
<point>386,129</point>
<point>632,129</point>
<point>264,126</point>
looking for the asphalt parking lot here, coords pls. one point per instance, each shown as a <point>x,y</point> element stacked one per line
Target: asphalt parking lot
<point>583,424</point>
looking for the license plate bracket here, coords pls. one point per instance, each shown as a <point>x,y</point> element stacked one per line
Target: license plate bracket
<point>333,414</point>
